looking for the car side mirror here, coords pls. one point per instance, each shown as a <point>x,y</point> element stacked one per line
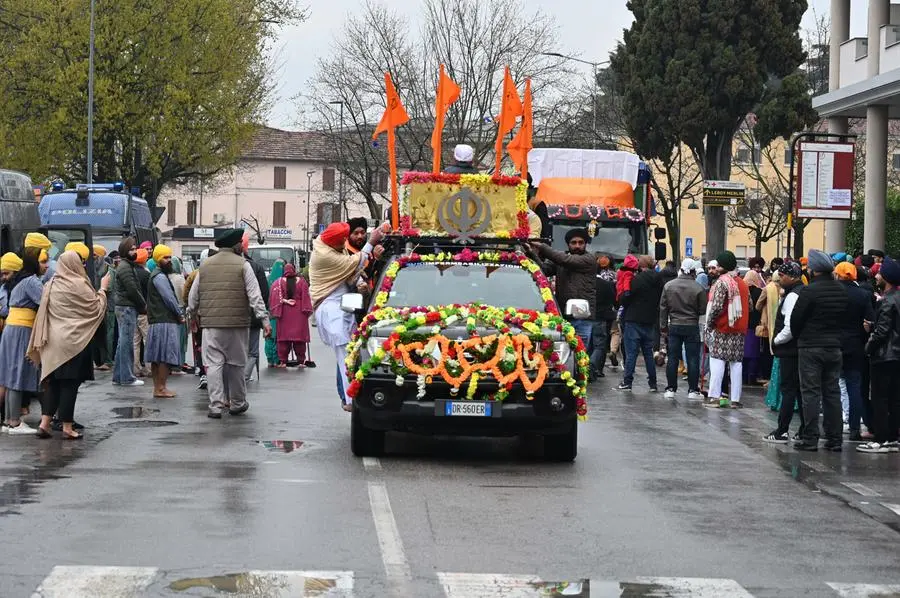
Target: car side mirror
<point>351,302</point>
<point>659,251</point>
<point>579,309</point>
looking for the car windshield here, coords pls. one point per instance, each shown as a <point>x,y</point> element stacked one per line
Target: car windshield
<point>266,256</point>
<point>441,284</point>
<point>110,242</point>
<point>615,240</point>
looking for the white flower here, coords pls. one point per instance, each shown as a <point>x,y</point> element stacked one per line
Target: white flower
<point>399,381</point>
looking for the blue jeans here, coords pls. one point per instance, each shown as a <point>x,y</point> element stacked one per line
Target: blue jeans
<point>123,369</point>
<point>639,338</point>
<point>853,379</point>
<point>340,383</point>
<point>687,337</point>
<point>599,340</point>
<point>584,329</point>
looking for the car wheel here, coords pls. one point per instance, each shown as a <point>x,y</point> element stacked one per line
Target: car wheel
<point>363,441</point>
<point>562,448</point>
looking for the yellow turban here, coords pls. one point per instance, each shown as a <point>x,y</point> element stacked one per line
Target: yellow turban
<point>161,251</point>
<point>80,248</point>
<point>10,262</point>
<point>44,256</point>
<point>99,251</point>
<point>37,240</point>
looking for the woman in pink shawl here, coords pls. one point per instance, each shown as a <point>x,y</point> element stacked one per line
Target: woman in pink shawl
<point>290,305</point>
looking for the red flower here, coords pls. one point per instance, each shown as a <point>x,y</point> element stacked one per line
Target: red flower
<point>354,389</point>
<point>432,317</point>
<point>509,386</point>
<point>546,345</point>
<point>580,345</point>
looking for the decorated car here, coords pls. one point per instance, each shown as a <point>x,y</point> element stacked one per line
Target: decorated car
<point>462,334</point>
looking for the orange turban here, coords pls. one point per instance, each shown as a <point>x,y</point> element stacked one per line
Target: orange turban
<point>336,234</point>
<point>803,261</point>
<point>142,256</point>
<point>846,271</point>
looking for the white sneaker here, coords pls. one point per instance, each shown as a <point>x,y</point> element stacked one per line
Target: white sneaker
<point>135,382</point>
<point>670,394</point>
<point>21,429</point>
<point>695,396</point>
<point>874,447</point>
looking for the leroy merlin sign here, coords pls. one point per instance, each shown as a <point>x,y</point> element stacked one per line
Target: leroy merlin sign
<point>723,193</point>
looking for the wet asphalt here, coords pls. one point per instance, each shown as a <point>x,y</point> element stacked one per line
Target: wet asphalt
<point>660,489</point>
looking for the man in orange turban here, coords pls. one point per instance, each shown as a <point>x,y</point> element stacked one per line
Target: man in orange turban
<point>334,272</point>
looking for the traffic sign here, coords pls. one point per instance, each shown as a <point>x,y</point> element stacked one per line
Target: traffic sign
<point>689,246</point>
<point>723,193</point>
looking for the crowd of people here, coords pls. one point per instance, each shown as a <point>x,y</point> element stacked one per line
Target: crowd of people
<point>820,334</point>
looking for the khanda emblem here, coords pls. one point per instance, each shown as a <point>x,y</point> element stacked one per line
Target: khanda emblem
<point>464,215</point>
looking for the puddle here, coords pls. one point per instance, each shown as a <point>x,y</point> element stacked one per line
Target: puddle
<point>280,446</point>
<point>271,584</point>
<point>143,423</point>
<point>135,412</point>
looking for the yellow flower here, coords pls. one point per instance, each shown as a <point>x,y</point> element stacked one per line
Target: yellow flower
<point>400,329</point>
<point>546,294</point>
<point>567,375</point>
<point>531,327</point>
<point>381,298</point>
<point>360,376</point>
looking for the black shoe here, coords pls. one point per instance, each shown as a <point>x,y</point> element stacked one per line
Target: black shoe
<point>802,445</point>
<point>654,388</point>
<point>56,425</point>
<point>600,374</point>
<point>614,360</point>
<point>776,437</point>
<point>855,436</point>
<point>242,409</point>
<point>214,415</point>
<point>624,386</point>
<point>835,446</point>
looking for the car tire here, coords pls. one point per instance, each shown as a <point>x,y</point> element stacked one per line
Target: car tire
<point>363,441</point>
<point>562,448</point>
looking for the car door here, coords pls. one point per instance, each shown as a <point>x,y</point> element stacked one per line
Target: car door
<point>60,235</point>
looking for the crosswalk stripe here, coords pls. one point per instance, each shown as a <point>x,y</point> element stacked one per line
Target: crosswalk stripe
<point>866,590</point>
<point>131,582</point>
<point>478,585</point>
<point>95,582</point>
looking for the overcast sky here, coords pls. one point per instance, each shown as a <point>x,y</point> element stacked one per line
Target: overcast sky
<point>588,28</point>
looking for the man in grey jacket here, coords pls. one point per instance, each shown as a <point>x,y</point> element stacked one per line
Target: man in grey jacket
<point>682,303</point>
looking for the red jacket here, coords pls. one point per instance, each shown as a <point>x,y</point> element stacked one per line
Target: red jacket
<point>740,326</point>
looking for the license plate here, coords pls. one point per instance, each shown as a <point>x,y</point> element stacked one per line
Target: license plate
<point>468,408</point>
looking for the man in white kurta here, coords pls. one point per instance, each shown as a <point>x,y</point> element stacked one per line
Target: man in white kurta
<point>334,272</point>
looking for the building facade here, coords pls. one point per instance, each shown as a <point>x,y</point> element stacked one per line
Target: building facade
<point>284,186</point>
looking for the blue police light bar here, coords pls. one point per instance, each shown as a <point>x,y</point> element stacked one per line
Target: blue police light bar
<point>58,186</point>
<point>116,186</point>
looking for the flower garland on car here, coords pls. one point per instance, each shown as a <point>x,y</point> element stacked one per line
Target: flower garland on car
<point>520,352</point>
<point>467,256</point>
<point>473,181</point>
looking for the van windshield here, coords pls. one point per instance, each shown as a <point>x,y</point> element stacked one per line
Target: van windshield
<point>266,256</point>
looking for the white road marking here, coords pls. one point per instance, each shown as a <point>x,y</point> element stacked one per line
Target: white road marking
<point>478,585</point>
<point>396,567</point>
<point>296,481</point>
<point>371,463</point>
<point>892,507</point>
<point>94,582</point>
<point>334,584</point>
<point>860,488</point>
<point>864,590</point>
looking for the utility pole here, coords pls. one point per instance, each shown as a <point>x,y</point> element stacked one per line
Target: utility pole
<point>89,178</point>
<point>309,175</point>
<point>339,170</point>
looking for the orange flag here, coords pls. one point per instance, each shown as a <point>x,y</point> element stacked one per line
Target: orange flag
<point>447,93</point>
<point>394,116</point>
<point>521,144</point>
<point>510,109</point>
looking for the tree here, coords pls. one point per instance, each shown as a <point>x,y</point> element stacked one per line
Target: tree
<point>179,86</point>
<point>474,39</point>
<point>891,224</point>
<point>680,182</point>
<point>690,71</point>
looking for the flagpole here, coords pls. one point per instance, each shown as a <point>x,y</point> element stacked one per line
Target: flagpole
<point>395,194</point>
<point>438,123</point>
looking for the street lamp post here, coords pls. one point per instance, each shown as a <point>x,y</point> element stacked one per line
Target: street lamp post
<point>309,175</point>
<point>340,155</point>
<point>595,88</point>
<point>90,125</point>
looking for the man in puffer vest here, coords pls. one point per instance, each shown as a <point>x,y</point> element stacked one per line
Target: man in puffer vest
<point>226,296</point>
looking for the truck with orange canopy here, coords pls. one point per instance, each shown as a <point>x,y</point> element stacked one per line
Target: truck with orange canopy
<point>606,192</point>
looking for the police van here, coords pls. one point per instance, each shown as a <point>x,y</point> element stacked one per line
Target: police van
<point>18,209</point>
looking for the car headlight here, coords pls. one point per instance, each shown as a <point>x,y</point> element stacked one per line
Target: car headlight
<point>563,349</point>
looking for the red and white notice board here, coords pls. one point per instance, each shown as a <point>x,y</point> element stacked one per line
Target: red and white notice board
<point>825,180</point>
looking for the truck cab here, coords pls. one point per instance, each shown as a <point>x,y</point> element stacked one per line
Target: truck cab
<point>108,209</point>
<point>606,192</point>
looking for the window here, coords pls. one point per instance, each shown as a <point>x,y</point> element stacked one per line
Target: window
<point>742,156</point>
<point>192,212</point>
<point>788,153</point>
<point>757,155</point>
<point>896,161</point>
<point>328,179</point>
<point>740,252</point>
<point>703,250</point>
<point>278,213</point>
<point>171,208</point>
<point>382,179</point>
<point>280,177</point>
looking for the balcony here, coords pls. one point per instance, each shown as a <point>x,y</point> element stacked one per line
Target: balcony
<point>854,60</point>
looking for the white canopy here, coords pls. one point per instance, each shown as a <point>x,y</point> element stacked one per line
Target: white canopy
<point>545,163</point>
